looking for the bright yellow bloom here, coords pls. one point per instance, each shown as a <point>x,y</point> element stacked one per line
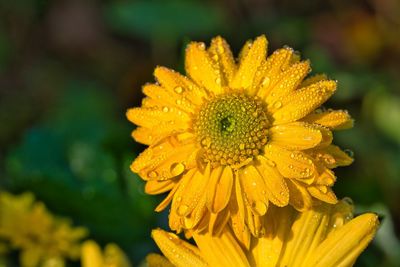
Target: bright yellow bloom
<point>43,239</point>
<point>113,256</point>
<point>326,235</point>
<point>230,139</point>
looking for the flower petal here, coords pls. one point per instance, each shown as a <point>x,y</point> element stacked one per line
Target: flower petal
<point>291,164</point>
<point>155,187</point>
<point>249,64</point>
<point>221,250</point>
<point>221,53</point>
<point>254,189</point>
<point>219,188</point>
<point>179,252</point>
<point>332,156</point>
<point>343,246</point>
<point>333,119</point>
<point>164,161</point>
<point>271,70</point>
<point>295,135</point>
<point>276,188</point>
<point>299,197</point>
<point>150,117</point>
<point>302,101</point>
<point>323,193</point>
<point>180,85</point>
<point>287,82</point>
<point>202,69</point>
<point>156,260</point>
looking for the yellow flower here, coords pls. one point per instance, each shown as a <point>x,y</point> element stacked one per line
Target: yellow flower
<point>326,235</point>
<point>113,256</point>
<point>232,138</point>
<point>43,239</point>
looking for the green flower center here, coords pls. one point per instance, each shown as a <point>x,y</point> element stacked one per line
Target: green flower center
<point>232,128</point>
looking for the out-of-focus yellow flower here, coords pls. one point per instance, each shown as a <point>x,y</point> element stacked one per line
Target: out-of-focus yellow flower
<point>43,240</point>
<point>326,235</point>
<point>113,256</point>
<point>232,138</point>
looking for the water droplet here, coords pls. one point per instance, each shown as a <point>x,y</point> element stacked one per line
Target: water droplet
<point>177,168</point>
<point>178,89</point>
<point>182,210</point>
<point>165,109</point>
<point>152,174</point>
<point>218,80</point>
<point>349,152</point>
<point>265,82</point>
<point>259,207</point>
<point>277,104</point>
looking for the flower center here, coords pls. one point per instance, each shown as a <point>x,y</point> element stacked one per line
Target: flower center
<point>232,128</point>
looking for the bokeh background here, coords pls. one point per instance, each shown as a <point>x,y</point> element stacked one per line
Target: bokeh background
<point>70,69</point>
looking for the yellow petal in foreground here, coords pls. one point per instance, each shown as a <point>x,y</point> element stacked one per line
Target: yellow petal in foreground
<point>326,235</point>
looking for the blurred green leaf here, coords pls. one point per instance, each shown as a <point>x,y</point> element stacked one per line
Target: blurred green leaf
<point>165,20</point>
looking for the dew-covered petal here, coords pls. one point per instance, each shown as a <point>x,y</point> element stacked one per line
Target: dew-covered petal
<point>270,71</point>
<point>333,119</point>
<point>323,193</point>
<point>180,86</point>
<point>331,156</point>
<point>291,164</point>
<point>295,136</point>
<point>155,187</point>
<point>301,102</point>
<point>222,250</point>
<point>313,79</point>
<point>219,188</point>
<point>164,160</point>
<point>276,188</point>
<point>156,260</point>
<point>299,197</point>
<point>202,69</point>
<point>343,246</point>
<point>165,98</point>
<point>254,189</point>
<point>289,81</point>
<point>249,64</point>
<point>222,54</point>
<point>179,252</point>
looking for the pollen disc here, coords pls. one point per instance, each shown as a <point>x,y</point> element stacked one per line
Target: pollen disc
<point>231,128</point>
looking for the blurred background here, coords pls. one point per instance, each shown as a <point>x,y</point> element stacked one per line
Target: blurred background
<point>70,69</point>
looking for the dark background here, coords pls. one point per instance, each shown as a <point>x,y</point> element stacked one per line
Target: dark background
<point>70,69</point>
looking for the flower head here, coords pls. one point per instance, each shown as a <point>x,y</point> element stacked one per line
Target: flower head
<point>323,236</point>
<point>44,240</point>
<point>233,138</point>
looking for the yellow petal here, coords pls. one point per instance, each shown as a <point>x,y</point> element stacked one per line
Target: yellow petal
<point>299,197</point>
<point>323,193</point>
<point>179,252</point>
<point>180,86</point>
<point>295,135</point>
<point>276,188</point>
<point>332,156</point>
<point>155,187</point>
<point>249,64</point>
<point>333,119</point>
<point>254,189</point>
<point>223,250</point>
<point>163,204</point>
<point>156,260</point>
<point>218,221</point>
<point>237,210</point>
<point>164,98</point>
<point>163,161</point>
<point>221,53</point>
<point>313,79</point>
<point>291,164</point>
<point>150,117</point>
<point>202,69</point>
<point>271,71</point>
<point>301,102</point>
<point>288,81</point>
<point>91,254</point>
<point>219,188</point>
<point>343,246</point>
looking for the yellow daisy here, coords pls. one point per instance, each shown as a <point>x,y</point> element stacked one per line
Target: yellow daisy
<point>231,138</point>
<point>325,236</point>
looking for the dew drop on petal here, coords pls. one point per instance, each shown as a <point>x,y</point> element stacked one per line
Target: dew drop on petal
<point>178,89</point>
<point>177,168</point>
<point>182,210</point>
<point>152,174</point>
